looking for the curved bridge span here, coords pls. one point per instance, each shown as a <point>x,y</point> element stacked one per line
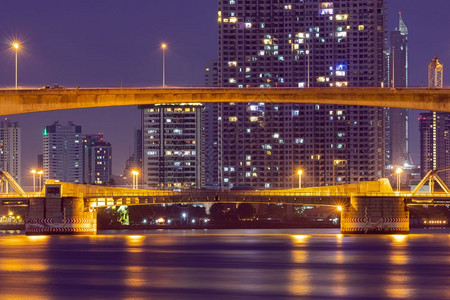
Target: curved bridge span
<point>29,101</point>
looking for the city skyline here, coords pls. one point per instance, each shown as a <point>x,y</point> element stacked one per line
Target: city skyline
<point>181,47</point>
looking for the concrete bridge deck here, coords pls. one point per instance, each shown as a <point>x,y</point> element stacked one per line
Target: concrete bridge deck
<point>34,100</point>
<point>366,207</point>
<point>101,196</point>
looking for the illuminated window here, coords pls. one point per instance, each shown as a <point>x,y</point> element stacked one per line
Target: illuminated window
<point>361,27</point>
<point>341,84</point>
<point>232,119</point>
<point>341,17</point>
<point>253,119</point>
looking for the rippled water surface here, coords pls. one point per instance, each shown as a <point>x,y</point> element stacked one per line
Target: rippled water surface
<point>226,264</point>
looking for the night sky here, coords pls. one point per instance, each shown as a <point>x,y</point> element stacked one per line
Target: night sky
<point>108,43</point>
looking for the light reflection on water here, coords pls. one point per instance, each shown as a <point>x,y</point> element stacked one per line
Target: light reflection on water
<point>225,264</point>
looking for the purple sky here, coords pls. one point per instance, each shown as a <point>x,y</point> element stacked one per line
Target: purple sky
<point>106,43</point>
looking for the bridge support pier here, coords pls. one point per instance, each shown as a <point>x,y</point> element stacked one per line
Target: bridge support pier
<point>375,215</point>
<point>47,216</point>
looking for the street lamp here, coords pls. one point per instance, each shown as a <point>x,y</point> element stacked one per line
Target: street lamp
<point>40,172</point>
<point>16,47</point>
<point>399,171</point>
<point>164,47</point>
<point>135,179</point>
<point>34,179</point>
<point>300,173</point>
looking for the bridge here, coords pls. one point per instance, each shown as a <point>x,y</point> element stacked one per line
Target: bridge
<point>67,208</point>
<point>367,207</point>
<point>34,100</point>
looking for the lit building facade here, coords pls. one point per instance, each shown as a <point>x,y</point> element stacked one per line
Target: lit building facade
<point>300,44</point>
<point>10,148</point>
<point>397,129</point>
<point>63,153</point>
<point>172,146</point>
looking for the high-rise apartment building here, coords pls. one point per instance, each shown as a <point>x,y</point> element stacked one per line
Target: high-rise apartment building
<point>10,148</point>
<point>172,146</point>
<point>63,153</point>
<point>300,44</point>
<point>71,156</point>
<point>397,129</point>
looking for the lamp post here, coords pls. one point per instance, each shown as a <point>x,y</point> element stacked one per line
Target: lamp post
<point>40,172</point>
<point>300,173</point>
<point>16,47</point>
<point>34,179</point>
<point>164,47</point>
<point>135,179</point>
<point>398,172</point>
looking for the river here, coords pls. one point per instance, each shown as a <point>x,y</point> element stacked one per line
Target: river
<point>226,264</point>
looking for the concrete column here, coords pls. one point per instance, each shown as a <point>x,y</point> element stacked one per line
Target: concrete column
<point>59,216</point>
<point>375,215</point>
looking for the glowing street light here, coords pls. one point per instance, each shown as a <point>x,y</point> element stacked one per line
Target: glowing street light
<point>399,171</point>
<point>34,179</point>
<point>164,47</point>
<point>300,173</point>
<point>135,174</point>
<point>16,47</point>
<point>40,173</point>
<point>339,208</point>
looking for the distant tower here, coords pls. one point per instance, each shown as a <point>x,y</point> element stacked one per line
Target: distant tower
<point>435,130</point>
<point>397,131</point>
<point>435,74</point>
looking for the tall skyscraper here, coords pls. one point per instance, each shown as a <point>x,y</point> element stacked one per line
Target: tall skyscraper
<point>270,43</point>
<point>435,130</point>
<point>10,148</point>
<point>397,129</point>
<point>172,146</point>
<point>63,153</point>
